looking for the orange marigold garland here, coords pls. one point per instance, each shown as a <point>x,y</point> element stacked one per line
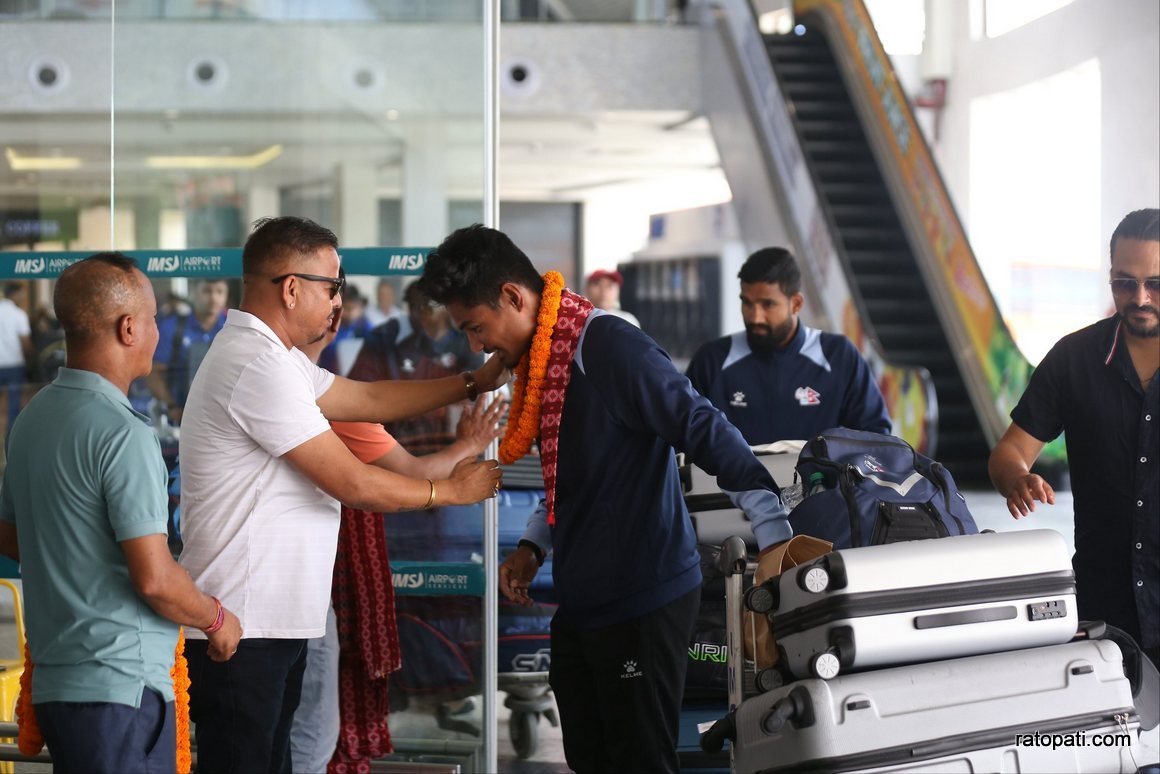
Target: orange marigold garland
<point>523,425</point>
<point>30,741</point>
<point>180,675</point>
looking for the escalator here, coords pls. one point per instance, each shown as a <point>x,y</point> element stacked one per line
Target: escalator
<point>881,267</point>
<point>823,154</point>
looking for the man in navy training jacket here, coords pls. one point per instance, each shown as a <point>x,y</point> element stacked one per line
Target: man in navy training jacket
<point>780,379</point>
<point>626,568</point>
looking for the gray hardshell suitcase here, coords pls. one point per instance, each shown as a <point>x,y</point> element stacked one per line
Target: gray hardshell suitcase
<point>715,518</point>
<point>1032,710</point>
<point>921,600</point>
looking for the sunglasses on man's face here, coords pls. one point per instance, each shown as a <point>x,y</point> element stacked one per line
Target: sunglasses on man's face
<point>336,283</point>
<point>1129,286</point>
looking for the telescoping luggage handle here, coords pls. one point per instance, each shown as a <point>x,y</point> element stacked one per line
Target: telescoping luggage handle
<point>730,563</point>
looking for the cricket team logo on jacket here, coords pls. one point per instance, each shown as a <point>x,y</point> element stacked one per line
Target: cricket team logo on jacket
<point>807,396</point>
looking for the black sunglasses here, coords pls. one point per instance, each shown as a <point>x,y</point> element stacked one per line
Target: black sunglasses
<point>336,283</point>
<point>1129,286</point>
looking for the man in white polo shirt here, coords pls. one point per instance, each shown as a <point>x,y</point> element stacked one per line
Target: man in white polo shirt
<point>262,476</point>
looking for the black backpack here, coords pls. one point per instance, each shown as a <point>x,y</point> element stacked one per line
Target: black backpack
<point>867,489</point>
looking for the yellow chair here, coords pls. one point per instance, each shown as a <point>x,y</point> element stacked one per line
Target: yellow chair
<point>10,671</point>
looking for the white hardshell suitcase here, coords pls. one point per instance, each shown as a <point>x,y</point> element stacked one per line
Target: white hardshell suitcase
<point>1031,710</point>
<point>921,600</point>
<point>715,518</point>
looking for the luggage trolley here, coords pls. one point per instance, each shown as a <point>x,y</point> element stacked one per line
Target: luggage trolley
<point>941,714</point>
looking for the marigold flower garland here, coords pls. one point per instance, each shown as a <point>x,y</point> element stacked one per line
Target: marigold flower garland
<point>180,675</point>
<point>523,425</point>
<point>30,741</point>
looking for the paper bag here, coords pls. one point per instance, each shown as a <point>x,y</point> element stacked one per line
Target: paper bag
<point>797,550</point>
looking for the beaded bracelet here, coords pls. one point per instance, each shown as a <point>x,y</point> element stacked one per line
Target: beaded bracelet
<point>219,620</point>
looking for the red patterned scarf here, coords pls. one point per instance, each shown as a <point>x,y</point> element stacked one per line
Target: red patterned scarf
<point>574,310</point>
<point>364,606</point>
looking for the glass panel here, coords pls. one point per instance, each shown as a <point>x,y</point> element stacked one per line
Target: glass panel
<point>54,174</point>
<point>1013,136</point>
<point>167,128</point>
<point>337,112</point>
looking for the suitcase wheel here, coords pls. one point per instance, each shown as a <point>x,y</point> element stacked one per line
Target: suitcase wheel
<point>825,666</point>
<point>760,599</point>
<point>768,680</point>
<point>815,579</point>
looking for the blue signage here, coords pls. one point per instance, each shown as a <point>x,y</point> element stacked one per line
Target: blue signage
<point>427,579</point>
<point>211,262</point>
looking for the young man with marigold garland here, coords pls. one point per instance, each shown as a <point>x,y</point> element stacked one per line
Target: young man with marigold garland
<point>608,408</point>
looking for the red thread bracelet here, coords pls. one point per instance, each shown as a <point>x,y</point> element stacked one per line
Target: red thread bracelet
<point>219,621</point>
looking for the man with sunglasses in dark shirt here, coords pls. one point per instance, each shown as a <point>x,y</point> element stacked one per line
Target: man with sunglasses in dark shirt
<point>1099,386</point>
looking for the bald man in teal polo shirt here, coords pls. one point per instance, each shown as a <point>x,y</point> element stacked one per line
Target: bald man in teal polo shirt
<point>84,509</point>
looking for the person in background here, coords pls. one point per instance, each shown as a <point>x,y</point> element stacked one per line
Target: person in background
<point>338,356</point>
<point>603,289</point>
<point>432,350</point>
<point>84,510</point>
<point>608,408</point>
<point>364,598</point>
<point>385,308</point>
<point>779,379</point>
<point>262,478</point>
<point>184,340</point>
<point>1099,387</point>
<point>48,344</point>
<point>15,347</point>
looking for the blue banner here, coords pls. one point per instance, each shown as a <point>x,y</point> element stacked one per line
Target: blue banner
<point>211,262</point>
<point>434,579</point>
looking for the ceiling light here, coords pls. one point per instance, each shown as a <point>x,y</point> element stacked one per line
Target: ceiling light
<point>774,17</point>
<point>778,22</point>
<point>252,161</point>
<point>40,163</point>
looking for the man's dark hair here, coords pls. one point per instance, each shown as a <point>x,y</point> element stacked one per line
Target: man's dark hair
<point>276,242</point>
<point>12,288</point>
<point>472,264</point>
<point>93,293</point>
<point>775,265</point>
<point>1142,225</point>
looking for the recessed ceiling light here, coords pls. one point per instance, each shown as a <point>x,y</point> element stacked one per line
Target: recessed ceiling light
<point>252,161</point>
<point>40,163</point>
